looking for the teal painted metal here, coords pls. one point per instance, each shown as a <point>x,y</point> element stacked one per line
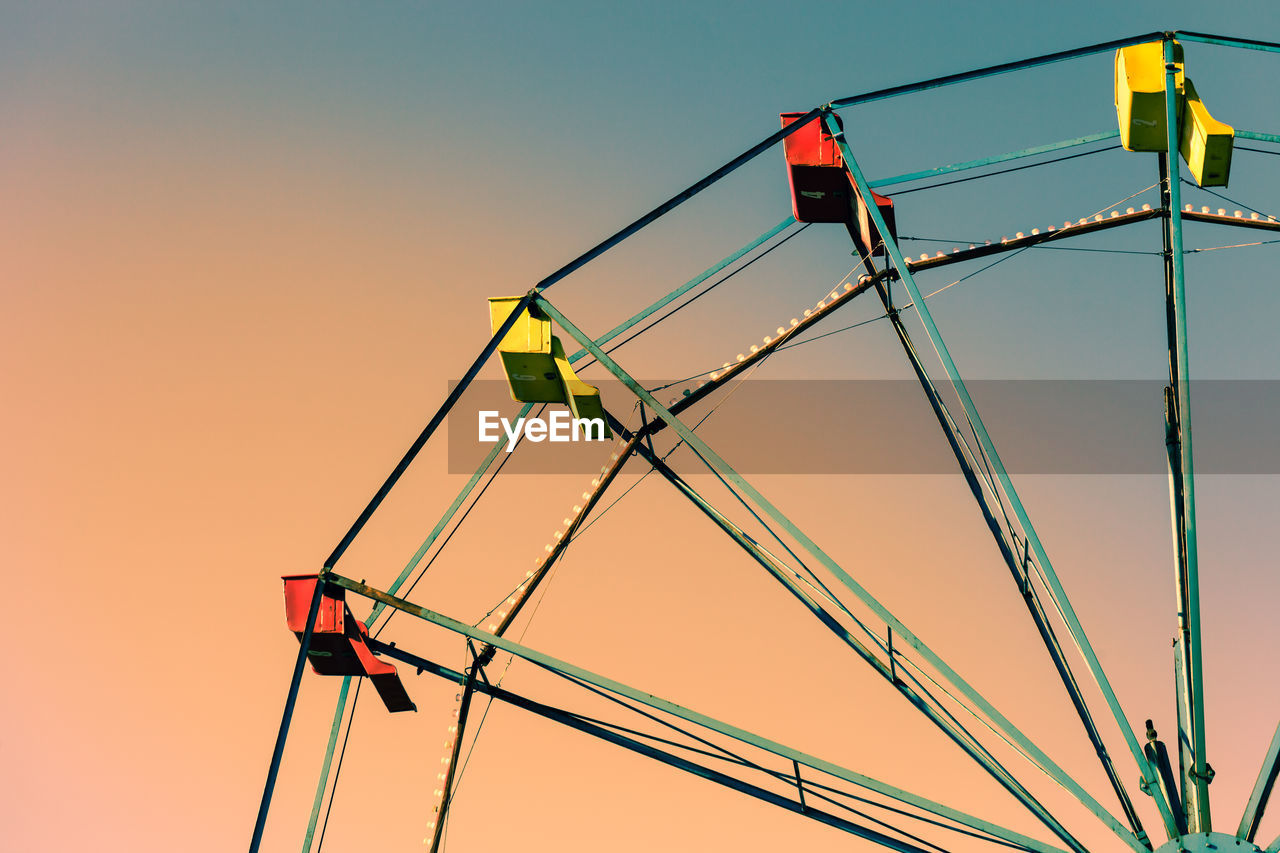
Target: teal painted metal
<point>1226,41</point>
<point>1196,796</point>
<point>420,442</point>
<point>445,519</point>
<point>1261,137</point>
<point>668,707</point>
<point>999,158</point>
<point>1261,790</point>
<point>328,762</point>
<point>714,461</point>
<point>1007,547</point>
<point>589,727</point>
<point>952,729</point>
<point>984,439</point>
<point>990,71</point>
<point>676,200</point>
<point>1274,846</point>
<point>689,285</point>
<point>524,410</point>
<point>291,699</point>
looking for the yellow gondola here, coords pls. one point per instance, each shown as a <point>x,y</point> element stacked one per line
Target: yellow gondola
<point>536,367</point>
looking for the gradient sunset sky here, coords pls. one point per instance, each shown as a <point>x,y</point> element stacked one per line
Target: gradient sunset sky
<point>244,247</point>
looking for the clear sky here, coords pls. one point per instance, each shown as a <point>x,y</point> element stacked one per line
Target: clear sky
<point>244,247</point>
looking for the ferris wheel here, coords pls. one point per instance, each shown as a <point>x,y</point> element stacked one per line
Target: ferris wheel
<point>1155,792</point>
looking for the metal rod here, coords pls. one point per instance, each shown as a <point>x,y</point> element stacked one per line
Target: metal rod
<point>468,691</point>
<point>328,762</point>
<point>1258,224</point>
<point>676,200</point>
<point>1261,137</point>
<point>991,70</point>
<point>1227,41</point>
<point>714,461</point>
<point>795,765</point>
<point>287,717</point>
<point>1006,484</point>
<point>1019,571</point>
<point>953,730</point>
<point>527,407</point>
<point>1187,575</point>
<point>589,727</point>
<point>1261,790</point>
<point>426,433</point>
<point>603,682</point>
<point>999,158</point>
<point>687,286</point>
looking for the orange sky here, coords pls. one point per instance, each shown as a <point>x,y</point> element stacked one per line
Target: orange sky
<point>239,264</point>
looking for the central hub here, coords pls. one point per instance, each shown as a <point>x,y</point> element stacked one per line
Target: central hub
<point>1206,842</point>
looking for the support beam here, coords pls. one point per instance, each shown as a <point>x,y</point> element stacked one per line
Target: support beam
<point>959,447</point>
<point>1006,484</point>
<point>719,465</point>
<point>949,727</point>
<point>657,703</point>
<point>1261,791</point>
<point>990,71</point>
<point>442,811</point>
<point>286,718</point>
<point>1227,41</point>
<point>427,432</point>
<point>327,764</point>
<point>999,158</point>
<point>606,734</point>
<point>639,317</point>
<point>1195,793</point>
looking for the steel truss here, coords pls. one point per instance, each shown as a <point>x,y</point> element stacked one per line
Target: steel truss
<point>1183,804</point>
